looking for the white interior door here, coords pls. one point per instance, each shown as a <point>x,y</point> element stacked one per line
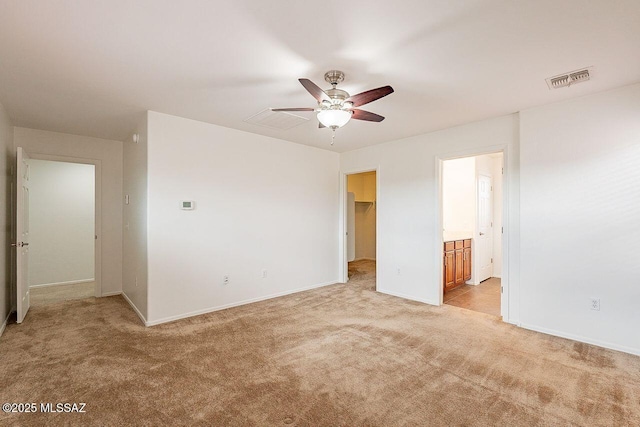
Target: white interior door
<point>22,234</point>
<point>485,223</point>
<point>351,226</point>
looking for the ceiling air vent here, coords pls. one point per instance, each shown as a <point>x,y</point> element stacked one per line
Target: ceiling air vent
<point>276,119</point>
<point>567,79</point>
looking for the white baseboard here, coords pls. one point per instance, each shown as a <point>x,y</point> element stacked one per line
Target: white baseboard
<point>630,350</point>
<point>70,282</point>
<point>478,283</point>
<point>4,324</point>
<point>399,295</point>
<point>111,294</point>
<point>144,321</point>
<point>235,304</point>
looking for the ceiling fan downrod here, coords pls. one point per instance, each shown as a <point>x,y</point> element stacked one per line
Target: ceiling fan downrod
<point>334,77</point>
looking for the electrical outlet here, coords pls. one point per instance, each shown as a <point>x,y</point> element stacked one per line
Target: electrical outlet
<point>225,280</point>
<point>264,274</point>
<point>595,304</point>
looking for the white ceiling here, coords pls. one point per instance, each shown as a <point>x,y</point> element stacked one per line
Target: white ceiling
<point>90,67</point>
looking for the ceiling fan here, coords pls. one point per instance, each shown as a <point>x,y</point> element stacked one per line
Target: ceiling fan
<point>335,106</point>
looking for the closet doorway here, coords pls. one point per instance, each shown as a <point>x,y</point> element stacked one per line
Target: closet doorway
<point>361,228</point>
<point>62,228</point>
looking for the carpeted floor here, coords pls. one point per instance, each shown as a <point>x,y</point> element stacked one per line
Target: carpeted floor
<point>50,294</point>
<point>342,355</point>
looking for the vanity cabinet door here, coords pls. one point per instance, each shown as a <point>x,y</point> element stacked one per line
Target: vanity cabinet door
<point>449,269</point>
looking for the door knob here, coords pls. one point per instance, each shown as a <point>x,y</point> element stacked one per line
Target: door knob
<point>481,233</point>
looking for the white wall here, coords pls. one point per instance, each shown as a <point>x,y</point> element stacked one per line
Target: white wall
<point>7,158</point>
<point>458,198</point>
<point>574,205</point>
<point>261,203</point>
<point>110,155</point>
<point>134,238</point>
<point>409,228</point>
<point>62,222</point>
<point>580,194</point>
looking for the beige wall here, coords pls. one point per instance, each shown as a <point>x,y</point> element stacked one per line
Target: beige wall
<point>6,160</point>
<point>110,155</point>
<point>458,198</point>
<point>363,185</point>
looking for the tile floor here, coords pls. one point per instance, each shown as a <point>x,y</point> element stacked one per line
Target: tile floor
<point>484,297</point>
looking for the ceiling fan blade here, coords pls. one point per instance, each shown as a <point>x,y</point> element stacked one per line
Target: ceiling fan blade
<point>314,90</point>
<point>369,96</point>
<point>293,109</point>
<point>366,115</point>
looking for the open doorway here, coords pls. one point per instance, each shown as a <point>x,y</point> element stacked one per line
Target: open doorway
<point>361,228</point>
<point>472,198</point>
<point>62,230</point>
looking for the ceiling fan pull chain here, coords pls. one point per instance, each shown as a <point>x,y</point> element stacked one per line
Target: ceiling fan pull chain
<point>333,134</point>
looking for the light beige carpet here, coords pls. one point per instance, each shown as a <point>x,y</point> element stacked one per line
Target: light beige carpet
<point>341,355</point>
<point>57,293</point>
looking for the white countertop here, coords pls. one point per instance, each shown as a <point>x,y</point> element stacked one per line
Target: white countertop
<point>456,235</point>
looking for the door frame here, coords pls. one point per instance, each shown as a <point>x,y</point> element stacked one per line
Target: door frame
<point>343,264</point>
<point>97,263</point>
<point>439,240</point>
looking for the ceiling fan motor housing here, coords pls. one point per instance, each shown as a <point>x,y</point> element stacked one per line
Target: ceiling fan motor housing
<point>337,96</point>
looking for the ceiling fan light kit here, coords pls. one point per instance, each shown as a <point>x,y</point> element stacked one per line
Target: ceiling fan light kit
<point>335,106</point>
<point>334,118</point>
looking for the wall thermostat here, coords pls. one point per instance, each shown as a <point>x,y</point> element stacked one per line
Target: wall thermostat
<point>187,205</point>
